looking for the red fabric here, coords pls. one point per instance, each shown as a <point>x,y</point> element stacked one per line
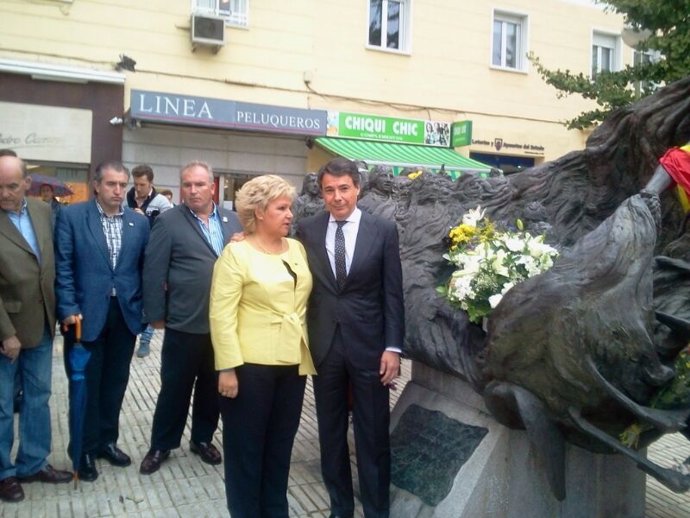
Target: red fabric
<point>677,164</point>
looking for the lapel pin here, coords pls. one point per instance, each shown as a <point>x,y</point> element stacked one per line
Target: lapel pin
<point>225,219</point>
<point>131,224</point>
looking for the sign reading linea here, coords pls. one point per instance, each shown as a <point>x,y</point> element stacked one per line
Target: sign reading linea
<point>220,113</point>
<point>388,129</point>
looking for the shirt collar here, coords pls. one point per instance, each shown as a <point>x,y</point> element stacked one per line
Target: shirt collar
<point>352,218</point>
<point>22,209</point>
<point>104,215</point>
<point>214,212</point>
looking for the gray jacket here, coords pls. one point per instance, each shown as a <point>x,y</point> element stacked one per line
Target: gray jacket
<point>178,268</point>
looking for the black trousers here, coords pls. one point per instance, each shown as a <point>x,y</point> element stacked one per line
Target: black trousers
<point>186,364</point>
<point>107,375</point>
<point>259,428</point>
<point>370,420</point>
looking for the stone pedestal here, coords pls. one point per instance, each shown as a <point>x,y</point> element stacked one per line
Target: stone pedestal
<point>499,477</point>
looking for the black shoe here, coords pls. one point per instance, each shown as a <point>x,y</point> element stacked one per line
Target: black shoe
<point>114,455</point>
<point>207,451</point>
<point>87,468</point>
<point>152,461</point>
<point>11,490</point>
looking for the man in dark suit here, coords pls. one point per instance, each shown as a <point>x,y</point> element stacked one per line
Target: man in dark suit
<point>27,326</point>
<point>99,258</point>
<point>356,329</point>
<point>185,243</point>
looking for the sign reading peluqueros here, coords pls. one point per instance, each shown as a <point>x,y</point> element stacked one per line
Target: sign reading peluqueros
<point>220,113</point>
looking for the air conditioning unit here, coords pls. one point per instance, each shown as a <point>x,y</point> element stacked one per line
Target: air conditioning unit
<point>208,31</point>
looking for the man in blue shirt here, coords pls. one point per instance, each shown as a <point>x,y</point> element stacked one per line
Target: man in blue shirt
<point>27,326</point>
<point>185,243</point>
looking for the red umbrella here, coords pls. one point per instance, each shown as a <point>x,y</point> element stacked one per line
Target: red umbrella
<point>60,188</point>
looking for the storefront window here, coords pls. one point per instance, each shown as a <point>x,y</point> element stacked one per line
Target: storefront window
<point>74,178</point>
<point>229,184</point>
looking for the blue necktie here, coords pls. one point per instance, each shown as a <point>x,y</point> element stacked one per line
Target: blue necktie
<point>340,268</point>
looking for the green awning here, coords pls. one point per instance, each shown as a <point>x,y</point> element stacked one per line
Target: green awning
<point>399,156</point>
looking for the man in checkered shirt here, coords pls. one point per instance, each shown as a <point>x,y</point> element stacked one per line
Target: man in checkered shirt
<point>99,255</point>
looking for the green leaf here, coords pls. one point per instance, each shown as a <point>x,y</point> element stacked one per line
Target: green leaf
<point>669,24</point>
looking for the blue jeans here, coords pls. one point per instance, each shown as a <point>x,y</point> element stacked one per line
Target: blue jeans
<point>35,366</point>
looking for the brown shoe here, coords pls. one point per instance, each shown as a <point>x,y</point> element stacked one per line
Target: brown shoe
<point>207,451</point>
<point>11,490</point>
<point>152,461</point>
<point>49,475</point>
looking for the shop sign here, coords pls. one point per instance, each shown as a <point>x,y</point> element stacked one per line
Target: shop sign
<point>510,147</point>
<point>220,113</point>
<point>388,129</point>
<point>461,134</point>
<point>49,133</point>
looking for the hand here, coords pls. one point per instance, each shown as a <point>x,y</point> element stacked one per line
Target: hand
<point>72,319</point>
<point>227,383</point>
<point>11,347</point>
<point>390,367</point>
<point>157,324</point>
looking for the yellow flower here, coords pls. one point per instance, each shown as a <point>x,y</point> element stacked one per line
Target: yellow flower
<point>461,234</point>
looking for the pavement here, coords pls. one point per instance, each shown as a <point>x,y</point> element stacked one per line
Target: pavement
<point>187,488</point>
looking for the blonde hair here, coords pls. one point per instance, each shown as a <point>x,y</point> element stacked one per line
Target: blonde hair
<point>256,194</point>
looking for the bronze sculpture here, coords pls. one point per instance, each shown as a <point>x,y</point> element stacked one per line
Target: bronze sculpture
<point>578,352</point>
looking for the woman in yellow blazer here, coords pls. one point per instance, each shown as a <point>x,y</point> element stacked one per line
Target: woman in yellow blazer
<point>259,296</point>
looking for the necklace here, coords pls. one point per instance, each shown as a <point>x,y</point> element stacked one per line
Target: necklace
<point>258,243</point>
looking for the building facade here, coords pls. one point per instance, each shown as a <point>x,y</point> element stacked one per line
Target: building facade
<point>256,86</point>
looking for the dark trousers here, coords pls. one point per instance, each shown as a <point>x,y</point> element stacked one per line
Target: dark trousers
<point>186,364</point>
<point>370,419</point>
<point>259,428</point>
<point>107,375</point>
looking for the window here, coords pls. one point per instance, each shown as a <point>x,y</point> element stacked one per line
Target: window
<point>235,12</point>
<point>509,43</point>
<point>645,57</point>
<point>389,24</point>
<point>604,53</point>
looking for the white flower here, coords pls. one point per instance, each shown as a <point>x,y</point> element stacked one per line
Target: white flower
<point>487,270</point>
<point>471,264</point>
<point>498,264</point>
<point>514,243</point>
<point>473,216</point>
<point>494,300</point>
<point>537,248</point>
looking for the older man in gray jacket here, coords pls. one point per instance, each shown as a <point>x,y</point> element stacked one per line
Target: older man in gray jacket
<point>184,245</point>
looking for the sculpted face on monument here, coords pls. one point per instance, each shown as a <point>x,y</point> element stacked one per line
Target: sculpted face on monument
<point>310,185</point>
